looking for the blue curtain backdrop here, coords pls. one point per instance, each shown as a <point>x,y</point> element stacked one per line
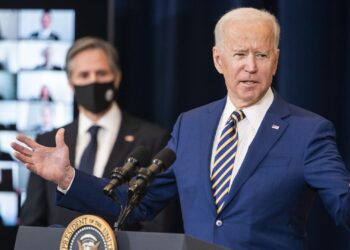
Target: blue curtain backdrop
<point>165,49</point>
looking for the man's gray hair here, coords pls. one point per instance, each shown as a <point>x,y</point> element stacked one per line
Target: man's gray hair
<point>245,14</point>
<point>87,43</point>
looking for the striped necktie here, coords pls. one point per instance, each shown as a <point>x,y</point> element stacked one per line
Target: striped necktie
<point>225,155</point>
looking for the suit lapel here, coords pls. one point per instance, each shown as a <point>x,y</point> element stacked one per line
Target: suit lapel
<point>271,129</point>
<point>122,147</point>
<point>70,139</point>
<point>209,124</point>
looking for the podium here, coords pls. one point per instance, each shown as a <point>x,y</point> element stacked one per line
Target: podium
<point>43,238</point>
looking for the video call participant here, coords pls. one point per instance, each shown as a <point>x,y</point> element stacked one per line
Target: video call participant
<point>248,166</point>
<point>46,32</point>
<point>47,61</point>
<point>94,74</point>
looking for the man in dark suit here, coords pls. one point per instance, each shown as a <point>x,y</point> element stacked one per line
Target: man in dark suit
<point>248,166</point>
<point>46,32</point>
<point>47,62</point>
<point>5,156</point>
<point>94,74</point>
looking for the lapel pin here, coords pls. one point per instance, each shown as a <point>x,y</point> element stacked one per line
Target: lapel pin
<point>129,138</point>
<point>275,126</point>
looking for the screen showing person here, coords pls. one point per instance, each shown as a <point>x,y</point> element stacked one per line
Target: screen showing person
<point>41,55</point>
<point>37,66</point>
<point>38,117</point>
<point>31,83</point>
<point>47,24</point>
<point>47,63</point>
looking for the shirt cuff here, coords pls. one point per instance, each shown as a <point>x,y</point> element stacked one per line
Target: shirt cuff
<point>64,191</point>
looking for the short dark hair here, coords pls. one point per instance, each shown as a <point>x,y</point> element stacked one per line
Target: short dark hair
<point>87,43</point>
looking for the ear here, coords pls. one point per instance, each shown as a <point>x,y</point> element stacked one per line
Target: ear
<point>277,55</point>
<point>70,83</point>
<point>117,79</point>
<point>217,58</point>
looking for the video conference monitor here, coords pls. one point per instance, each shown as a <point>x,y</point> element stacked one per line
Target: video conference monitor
<point>32,52</point>
<point>35,95</point>
<point>9,207</point>
<point>9,196</point>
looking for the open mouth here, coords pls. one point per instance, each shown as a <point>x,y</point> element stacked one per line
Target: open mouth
<point>249,82</point>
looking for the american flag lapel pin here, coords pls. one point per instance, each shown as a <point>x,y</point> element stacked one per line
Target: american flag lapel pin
<point>274,126</point>
<point>129,138</point>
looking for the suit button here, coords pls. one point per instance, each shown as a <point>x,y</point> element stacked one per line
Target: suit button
<point>218,223</point>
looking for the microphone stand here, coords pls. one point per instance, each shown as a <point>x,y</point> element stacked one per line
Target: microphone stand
<point>138,186</point>
<point>108,190</point>
<point>135,194</point>
<point>117,202</point>
<point>133,200</point>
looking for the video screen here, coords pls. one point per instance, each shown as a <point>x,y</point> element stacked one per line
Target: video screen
<point>9,204</point>
<point>35,96</point>
<point>12,180</point>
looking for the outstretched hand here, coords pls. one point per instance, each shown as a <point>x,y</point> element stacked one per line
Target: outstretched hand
<point>51,163</point>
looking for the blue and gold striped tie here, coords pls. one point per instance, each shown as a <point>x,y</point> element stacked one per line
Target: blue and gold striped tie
<point>225,155</point>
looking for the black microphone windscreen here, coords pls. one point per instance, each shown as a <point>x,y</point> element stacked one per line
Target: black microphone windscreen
<point>142,155</point>
<point>166,156</point>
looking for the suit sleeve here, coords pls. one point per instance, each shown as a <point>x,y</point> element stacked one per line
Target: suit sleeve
<point>168,219</point>
<point>85,195</point>
<point>162,190</point>
<point>326,172</point>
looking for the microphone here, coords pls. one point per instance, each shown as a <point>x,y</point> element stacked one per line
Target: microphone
<point>139,157</point>
<point>145,176</point>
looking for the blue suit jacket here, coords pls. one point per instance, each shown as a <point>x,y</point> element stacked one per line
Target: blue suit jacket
<point>292,156</point>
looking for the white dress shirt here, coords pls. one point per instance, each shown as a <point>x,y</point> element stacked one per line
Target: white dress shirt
<point>107,134</point>
<point>247,128</point>
<point>44,33</point>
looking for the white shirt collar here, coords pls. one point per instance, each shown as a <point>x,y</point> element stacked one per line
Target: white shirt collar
<point>45,33</point>
<point>255,113</point>
<point>107,121</point>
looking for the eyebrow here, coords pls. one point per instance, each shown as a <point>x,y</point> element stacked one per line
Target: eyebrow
<point>240,50</point>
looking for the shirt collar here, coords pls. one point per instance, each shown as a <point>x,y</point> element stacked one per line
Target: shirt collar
<point>107,121</point>
<point>46,32</point>
<point>255,113</point>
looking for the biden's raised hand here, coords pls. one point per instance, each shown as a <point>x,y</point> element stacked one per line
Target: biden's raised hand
<point>51,163</point>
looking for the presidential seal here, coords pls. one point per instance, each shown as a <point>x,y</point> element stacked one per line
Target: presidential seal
<point>88,232</point>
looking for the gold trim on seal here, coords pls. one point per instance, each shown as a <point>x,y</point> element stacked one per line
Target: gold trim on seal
<point>92,223</point>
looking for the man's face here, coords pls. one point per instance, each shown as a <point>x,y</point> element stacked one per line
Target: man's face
<point>46,20</point>
<point>247,59</point>
<point>91,66</point>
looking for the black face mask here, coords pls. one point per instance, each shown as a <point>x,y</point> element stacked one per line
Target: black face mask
<point>95,97</point>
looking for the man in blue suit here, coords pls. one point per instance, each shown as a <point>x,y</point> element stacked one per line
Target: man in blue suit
<point>248,166</point>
